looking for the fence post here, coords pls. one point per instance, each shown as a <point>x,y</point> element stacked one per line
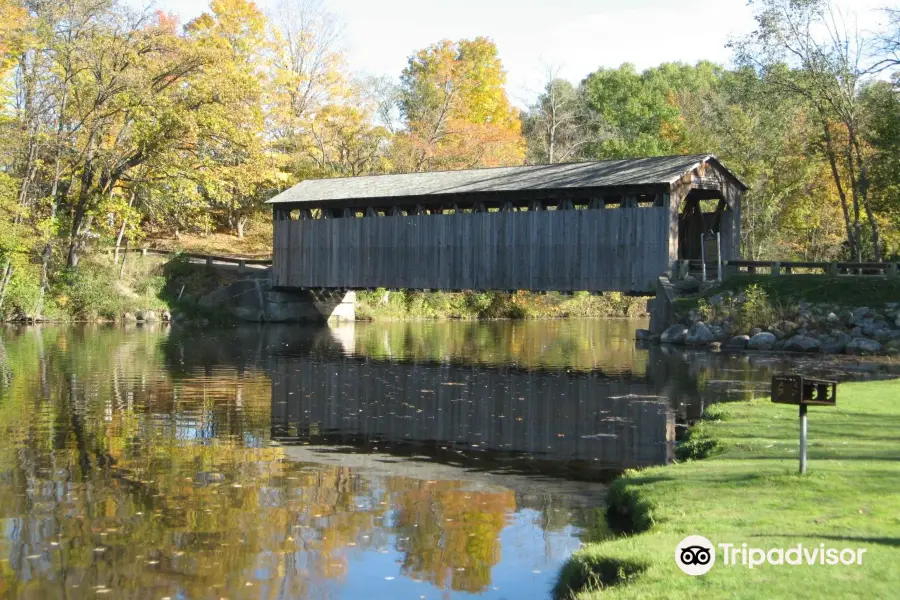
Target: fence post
<point>143,252</point>
<point>776,268</point>
<point>242,265</point>
<point>209,261</point>
<point>831,269</point>
<point>703,253</point>
<point>721,276</point>
<point>891,270</point>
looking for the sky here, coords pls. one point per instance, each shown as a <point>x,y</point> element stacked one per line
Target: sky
<point>574,37</point>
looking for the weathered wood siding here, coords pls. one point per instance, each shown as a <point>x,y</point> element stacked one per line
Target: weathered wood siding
<point>622,249</point>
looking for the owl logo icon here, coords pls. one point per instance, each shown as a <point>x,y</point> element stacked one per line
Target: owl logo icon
<point>695,555</point>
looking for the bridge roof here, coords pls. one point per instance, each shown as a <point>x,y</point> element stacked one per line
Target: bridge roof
<point>620,173</point>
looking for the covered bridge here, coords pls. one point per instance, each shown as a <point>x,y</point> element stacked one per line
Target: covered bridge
<point>612,225</point>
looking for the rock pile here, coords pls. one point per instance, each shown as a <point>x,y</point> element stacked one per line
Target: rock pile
<point>824,328</point>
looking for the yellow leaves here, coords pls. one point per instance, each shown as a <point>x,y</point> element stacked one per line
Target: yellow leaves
<point>458,114</point>
<point>13,21</point>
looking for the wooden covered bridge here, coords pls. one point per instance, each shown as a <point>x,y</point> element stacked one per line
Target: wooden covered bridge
<point>612,225</point>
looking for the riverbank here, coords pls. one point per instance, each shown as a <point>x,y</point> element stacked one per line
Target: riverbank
<point>381,305</point>
<point>105,289</point>
<point>746,490</point>
<point>804,313</point>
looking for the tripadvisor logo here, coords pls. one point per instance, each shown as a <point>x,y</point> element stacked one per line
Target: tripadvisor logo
<point>696,555</point>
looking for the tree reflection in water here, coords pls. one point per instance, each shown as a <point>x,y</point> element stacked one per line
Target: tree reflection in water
<point>140,462</point>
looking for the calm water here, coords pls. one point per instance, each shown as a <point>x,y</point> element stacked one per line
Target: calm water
<point>372,461</point>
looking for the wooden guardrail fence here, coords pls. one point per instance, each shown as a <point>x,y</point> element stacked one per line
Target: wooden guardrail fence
<point>209,259</point>
<point>778,268</point>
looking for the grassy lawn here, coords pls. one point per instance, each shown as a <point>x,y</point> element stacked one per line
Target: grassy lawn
<point>846,291</point>
<point>748,491</point>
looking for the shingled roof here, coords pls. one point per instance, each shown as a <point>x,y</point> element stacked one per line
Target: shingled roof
<point>661,170</point>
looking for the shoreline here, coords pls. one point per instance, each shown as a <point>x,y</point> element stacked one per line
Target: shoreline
<point>738,483</point>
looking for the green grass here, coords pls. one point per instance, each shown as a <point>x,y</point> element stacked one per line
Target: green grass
<point>748,490</point>
<point>844,291</point>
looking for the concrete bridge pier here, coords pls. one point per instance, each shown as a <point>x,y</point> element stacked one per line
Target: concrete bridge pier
<point>254,300</point>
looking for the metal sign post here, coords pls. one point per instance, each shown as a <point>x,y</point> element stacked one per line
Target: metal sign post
<point>803,423</point>
<point>805,392</point>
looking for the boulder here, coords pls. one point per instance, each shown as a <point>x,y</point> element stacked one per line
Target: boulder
<point>779,334</point>
<point>715,346</point>
<point>738,342</point>
<point>861,312</point>
<point>869,329</point>
<point>754,331</point>
<point>699,334</point>
<point>642,335</point>
<point>863,347</point>
<point>856,332</point>
<point>140,316</point>
<point>762,341</point>
<point>719,332</point>
<point>150,316</point>
<point>675,334</point>
<point>803,343</point>
<point>166,316</point>
<point>129,317</point>
<point>788,327</point>
<point>834,346</point>
<point>832,318</point>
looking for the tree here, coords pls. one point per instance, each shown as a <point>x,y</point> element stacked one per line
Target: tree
<point>235,173</point>
<point>129,106</point>
<point>556,124</point>
<point>456,111</point>
<point>882,109</point>
<point>638,114</point>
<point>805,50</point>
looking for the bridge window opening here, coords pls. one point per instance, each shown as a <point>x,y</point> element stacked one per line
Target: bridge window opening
<point>648,201</point>
<point>294,214</point>
<point>612,202</point>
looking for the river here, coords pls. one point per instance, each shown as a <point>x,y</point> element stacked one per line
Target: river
<point>402,460</point>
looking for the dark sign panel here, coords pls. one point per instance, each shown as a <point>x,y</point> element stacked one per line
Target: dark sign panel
<point>796,389</point>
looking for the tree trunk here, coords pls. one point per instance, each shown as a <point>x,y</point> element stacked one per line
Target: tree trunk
<point>240,224</point>
<point>7,275</point>
<point>852,240</point>
<point>863,184</point>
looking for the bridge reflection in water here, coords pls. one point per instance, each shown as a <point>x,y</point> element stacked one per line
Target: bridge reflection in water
<point>578,424</point>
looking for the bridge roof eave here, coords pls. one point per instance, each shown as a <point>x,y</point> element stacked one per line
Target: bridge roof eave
<point>488,198</point>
